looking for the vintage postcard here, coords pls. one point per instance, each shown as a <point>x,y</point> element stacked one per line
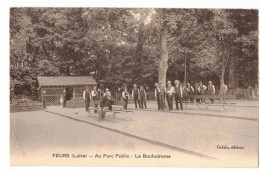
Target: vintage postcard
<point>156,87</point>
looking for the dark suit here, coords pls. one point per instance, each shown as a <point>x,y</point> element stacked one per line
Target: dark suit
<point>105,105</point>
<point>87,99</point>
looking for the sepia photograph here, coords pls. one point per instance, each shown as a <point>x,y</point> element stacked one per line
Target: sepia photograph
<point>135,87</point>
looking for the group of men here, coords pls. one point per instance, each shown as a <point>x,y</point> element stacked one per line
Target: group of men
<point>201,89</point>
<point>105,102</point>
<point>169,92</point>
<point>139,95</point>
<point>179,92</point>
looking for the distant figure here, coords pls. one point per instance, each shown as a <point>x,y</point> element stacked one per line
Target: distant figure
<point>147,92</point>
<point>136,96</point>
<point>143,97</point>
<point>156,94</point>
<point>211,90</point>
<point>201,90</point>
<point>86,97</point>
<point>169,94</point>
<point>196,90</point>
<point>61,100</point>
<point>95,98</point>
<point>107,92</point>
<point>255,92</point>
<point>105,104</point>
<point>125,95</point>
<point>223,90</point>
<point>119,94</point>
<point>189,91</point>
<point>178,94</point>
<point>249,91</point>
<point>161,96</point>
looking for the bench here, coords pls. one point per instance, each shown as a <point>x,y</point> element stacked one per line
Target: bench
<point>207,101</point>
<point>116,109</point>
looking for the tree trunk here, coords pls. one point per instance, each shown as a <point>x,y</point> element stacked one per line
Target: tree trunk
<point>140,42</point>
<point>222,62</point>
<point>138,55</point>
<point>232,73</point>
<point>163,63</point>
<point>185,71</point>
<point>109,62</point>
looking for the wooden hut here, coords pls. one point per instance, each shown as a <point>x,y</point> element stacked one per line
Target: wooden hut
<point>52,87</point>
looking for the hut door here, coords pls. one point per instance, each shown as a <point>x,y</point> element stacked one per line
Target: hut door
<point>69,92</point>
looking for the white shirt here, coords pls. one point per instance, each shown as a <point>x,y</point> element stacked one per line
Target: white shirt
<point>94,93</point>
<point>108,93</point>
<point>204,87</point>
<point>124,94</point>
<point>155,91</point>
<point>171,91</point>
<point>190,87</point>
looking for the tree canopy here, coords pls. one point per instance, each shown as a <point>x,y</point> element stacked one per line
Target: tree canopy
<point>123,46</point>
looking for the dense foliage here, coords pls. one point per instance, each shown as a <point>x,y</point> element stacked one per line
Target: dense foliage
<point>124,46</point>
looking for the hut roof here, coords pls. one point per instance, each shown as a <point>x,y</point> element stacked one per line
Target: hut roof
<point>65,80</point>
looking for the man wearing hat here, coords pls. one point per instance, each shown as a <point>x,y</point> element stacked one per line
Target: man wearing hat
<point>107,92</point>
<point>86,97</point>
<point>125,95</point>
<point>211,90</point>
<point>108,95</point>
<point>136,96</point>
<point>178,94</point>
<point>201,90</point>
<point>169,94</point>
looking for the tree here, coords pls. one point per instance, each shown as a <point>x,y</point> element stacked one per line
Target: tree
<point>127,46</point>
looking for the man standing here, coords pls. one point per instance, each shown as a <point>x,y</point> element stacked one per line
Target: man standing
<point>156,94</point>
<point>108,94</point>
<point>94,96</point>
<point>223,90</point>
<point>211,90</point>
<point>86,97</point>
<point>201,90</point>
<point>125,95</point>
<point>189,91</point>
<point>119,92</point>
<point>136,96</point>
<point>169,94</point>
<point>178,94</point>
<point>143,97</point>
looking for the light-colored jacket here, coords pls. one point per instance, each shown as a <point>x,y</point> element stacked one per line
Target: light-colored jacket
<point>171,91</point>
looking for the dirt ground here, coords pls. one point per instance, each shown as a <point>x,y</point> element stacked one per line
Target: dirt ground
<point>189,137</point>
